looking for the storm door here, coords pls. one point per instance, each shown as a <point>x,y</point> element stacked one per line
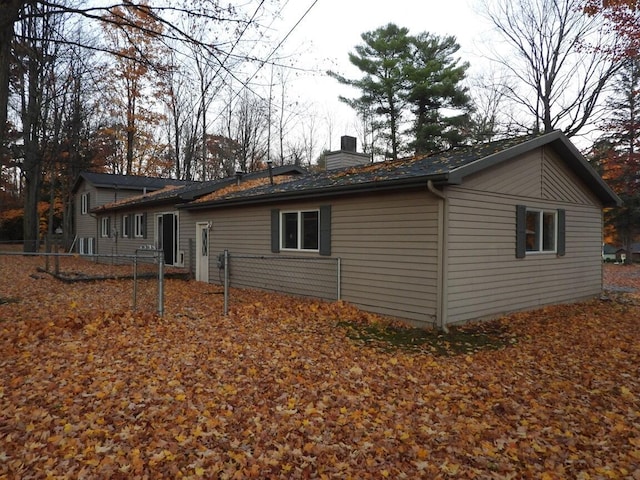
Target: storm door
<point>202,252</point>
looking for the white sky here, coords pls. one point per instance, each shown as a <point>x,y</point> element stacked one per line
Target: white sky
<point>332,29</point>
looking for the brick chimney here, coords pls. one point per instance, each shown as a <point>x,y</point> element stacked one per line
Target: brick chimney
<point>347,156</point>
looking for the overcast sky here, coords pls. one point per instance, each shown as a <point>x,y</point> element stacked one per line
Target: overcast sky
<point>332,28</point>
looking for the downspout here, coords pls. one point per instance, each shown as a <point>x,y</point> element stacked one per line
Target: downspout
<point>441,309</point>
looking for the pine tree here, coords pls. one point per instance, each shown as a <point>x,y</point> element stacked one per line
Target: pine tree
<point>382,58</point>
<point>435,85</point>
<point>621,164</point>
<point>410,79</point>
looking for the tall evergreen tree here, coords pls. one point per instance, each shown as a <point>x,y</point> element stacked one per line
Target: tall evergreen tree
<point>382,58</point>
<point>435,85</point>
<point>621,164</point>
<point>411,78</point>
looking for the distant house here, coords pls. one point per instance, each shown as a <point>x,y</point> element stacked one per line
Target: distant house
<point>437,240</point>
<point>610,253</point>
<point>635,252</point>
<point>626,255</point>
<point>92,190</point>
<point>151,218</point>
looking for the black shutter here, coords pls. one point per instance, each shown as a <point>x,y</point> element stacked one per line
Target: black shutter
<point>109,227</point>
<point>88,203</point>
<point>521,231</point>
<point>275,230</point>
<point>132,222</point>
<point>325,230</point>
<point>561,233</point>
<point>144,225</point>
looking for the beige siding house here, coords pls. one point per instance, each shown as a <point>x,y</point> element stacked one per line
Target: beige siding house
<point>92,190</point>
<point>151,220</point>
<point>470,233</point>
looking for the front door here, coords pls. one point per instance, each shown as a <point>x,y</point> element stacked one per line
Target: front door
<point>168,236</point>
<point>202,252</point>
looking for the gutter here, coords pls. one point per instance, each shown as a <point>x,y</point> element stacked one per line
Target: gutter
<point>319,192</point>
<point>442,265</point>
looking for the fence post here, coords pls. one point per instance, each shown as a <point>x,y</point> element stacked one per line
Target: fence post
<point>47,250</point>
<point>161,283</point>
<point>339,273</point>
<point>226,282</point>
<point>57,257</point>
<point>191,261</point>
<point>135,281</point>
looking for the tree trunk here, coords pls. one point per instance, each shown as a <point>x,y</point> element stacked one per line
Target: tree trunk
<point>9,12</point>
<point>32,166</point>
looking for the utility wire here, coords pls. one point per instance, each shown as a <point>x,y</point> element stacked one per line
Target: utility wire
<point>245,84</point>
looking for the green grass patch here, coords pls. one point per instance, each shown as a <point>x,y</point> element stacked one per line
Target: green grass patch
<point>4,300</point>
<point>459,340</point>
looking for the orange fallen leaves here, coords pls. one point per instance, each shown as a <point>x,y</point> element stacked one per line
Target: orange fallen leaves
<point>89,389</point>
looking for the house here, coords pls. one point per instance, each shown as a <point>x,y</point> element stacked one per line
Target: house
<point>610,253</point>
<point>631,254</point>
<point>92,190</point>
<point>151,219</point>
<point>437,240</point>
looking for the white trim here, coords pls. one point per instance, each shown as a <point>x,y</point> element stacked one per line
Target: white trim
<point>541,230</point>
<point>125,227</point>
<point>84,203</point>
<point>300,247</point>
<point>104,227</point>
<point>138,227</point>
<point>176,232</point>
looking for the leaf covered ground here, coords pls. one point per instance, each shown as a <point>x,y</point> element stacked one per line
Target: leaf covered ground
<point>280,388</point>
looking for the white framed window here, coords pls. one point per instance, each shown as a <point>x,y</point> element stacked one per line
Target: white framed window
<point>138,225</point>
<point>300,230</point>
<point>84,203</point>
<point>105,226</point>
<point>542,231</point>
<point>126,227</point>
<point>85,245</point>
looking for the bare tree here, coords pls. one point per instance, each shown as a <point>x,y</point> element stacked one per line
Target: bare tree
<point>245,123</point>
<point>36,71</point>
<point>288,113</point>
<point>554,75</point>
<point>25,53</point>
<point>492,117</point>
<point>134,35</point>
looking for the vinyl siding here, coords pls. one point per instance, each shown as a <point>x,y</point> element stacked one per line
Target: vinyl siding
<point>246,231</point>
<point>389,246</point>
<point>118,245</point>
<point>387,243</point>
<point>86,225</point>
<point>484,278</point>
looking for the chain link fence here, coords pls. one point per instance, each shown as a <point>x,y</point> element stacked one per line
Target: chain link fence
<point>302,276</point>
<point>145,270</point>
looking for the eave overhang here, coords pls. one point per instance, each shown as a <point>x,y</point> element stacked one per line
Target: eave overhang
<point>321,192</point>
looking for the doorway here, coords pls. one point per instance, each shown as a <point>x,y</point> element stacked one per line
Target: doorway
<point>202,252</point>
<point>167,224</point>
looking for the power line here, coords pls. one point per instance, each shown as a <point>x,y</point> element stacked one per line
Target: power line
<point>245,84</point>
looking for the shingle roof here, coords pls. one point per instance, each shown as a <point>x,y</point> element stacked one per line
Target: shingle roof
<point>127,182</point>
<point>185,193</point>
<point>445,168</point>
